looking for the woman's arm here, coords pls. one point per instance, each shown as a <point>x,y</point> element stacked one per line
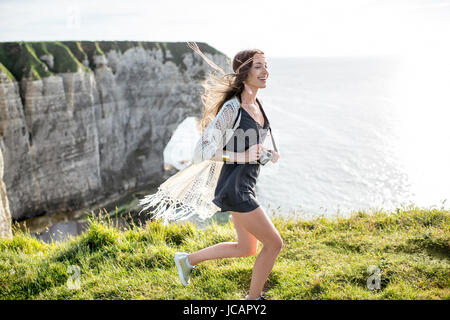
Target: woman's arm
<point>211,142</point>
<point>231,156</point>
<point>248,156</point>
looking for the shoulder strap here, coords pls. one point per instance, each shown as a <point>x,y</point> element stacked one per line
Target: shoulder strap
<point>237,117</point>
<point>271,135</point>
<point>273,141</point>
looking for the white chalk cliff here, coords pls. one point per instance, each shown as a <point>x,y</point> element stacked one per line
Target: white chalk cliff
<point>87,125</point>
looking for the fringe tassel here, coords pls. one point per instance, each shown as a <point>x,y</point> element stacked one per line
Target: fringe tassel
<point>183,196</point>
<point>167,208</point>
<point>170,209</point>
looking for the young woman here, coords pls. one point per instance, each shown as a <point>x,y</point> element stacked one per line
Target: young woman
<point>235,190</point>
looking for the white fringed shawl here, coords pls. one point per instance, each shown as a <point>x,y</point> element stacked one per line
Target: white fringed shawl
<point>189,192</point>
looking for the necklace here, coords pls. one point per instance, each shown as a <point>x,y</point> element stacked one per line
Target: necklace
<point>253,114</point>
<point>252,106</point>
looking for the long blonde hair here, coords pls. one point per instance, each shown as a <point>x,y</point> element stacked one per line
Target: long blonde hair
<point>221,87</point>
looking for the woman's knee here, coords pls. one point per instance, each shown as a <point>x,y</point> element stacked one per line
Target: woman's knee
<point>275,243</point>
<point>258,224</point>
<point>279,243</point>
<point>248,253</point>
<point>245,251</point>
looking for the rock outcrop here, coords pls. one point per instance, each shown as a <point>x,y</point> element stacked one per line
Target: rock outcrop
<point>86,122</point>
<point>5,215</point>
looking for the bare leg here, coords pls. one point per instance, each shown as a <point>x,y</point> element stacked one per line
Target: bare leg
<point>245,246</point>
<point>257,223</point>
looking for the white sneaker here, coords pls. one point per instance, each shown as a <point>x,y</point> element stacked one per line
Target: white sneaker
<point>261,296</point>
<point>184,269</point>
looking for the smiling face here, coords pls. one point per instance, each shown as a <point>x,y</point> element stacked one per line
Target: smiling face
<point>258,74</point>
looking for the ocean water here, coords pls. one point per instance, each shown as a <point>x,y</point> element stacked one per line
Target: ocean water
<point>353,133</point>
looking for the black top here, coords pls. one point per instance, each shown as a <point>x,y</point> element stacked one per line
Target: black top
<point>235,190</point>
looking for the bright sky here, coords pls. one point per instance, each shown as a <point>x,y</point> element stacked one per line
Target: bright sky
<point>279,28</point>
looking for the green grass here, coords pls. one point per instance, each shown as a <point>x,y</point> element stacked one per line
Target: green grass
<point>76,49</point>
<point>9,76</point>
<point>64,59</point>
<point>21,59</point>
<point>321,259</point>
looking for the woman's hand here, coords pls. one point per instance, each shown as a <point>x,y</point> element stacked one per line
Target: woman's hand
<point>253,153</point>
<point>276,155</point>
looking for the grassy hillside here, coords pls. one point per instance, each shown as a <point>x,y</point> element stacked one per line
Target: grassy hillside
<point>321,259</point>
<point>26,59</point>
